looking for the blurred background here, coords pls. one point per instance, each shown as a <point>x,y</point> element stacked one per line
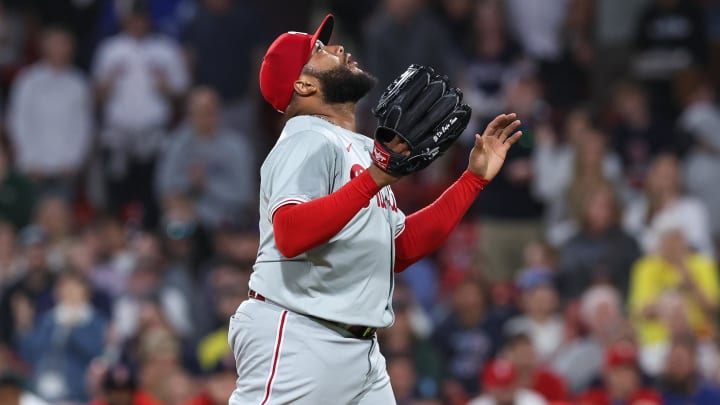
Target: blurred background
<point>131,138</point>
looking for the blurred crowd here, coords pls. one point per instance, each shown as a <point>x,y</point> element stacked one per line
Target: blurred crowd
<point>586,273</point>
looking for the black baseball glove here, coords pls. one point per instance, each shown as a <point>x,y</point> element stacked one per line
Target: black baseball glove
<point>423,110</point>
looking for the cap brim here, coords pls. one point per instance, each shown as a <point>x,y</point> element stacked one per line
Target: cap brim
<point>324,31</point>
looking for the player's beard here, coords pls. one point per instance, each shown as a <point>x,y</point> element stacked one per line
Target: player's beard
<point>341,85</point>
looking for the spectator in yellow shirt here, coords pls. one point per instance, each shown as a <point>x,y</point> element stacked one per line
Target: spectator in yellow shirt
<point>672,292</point>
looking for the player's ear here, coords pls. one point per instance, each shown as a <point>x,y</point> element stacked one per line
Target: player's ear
<point>305,85</point>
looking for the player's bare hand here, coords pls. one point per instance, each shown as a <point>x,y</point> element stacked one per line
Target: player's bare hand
<point>488,154</point>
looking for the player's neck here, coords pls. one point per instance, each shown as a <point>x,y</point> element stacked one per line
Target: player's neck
<point>342,115</point>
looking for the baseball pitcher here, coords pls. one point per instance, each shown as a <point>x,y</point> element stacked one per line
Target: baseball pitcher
<point>331,232</point>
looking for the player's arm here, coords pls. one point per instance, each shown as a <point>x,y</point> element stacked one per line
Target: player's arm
<point>426,230</point>
<point>304,226</point>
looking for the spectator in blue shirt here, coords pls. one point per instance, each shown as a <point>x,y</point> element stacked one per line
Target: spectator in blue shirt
<point>681,383</point>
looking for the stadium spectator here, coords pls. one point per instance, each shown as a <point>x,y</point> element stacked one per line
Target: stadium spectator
<point>17,194</point>
<point>107,237</point>
<point>547,33</point>
<point>539,318</point>
<point>500,382</point>
<point>167,280</point>
<point>674,291</point>
<point>600,250</point>
<point>671,36</point>
<point>54,216</point>
<point>664,206</point>
<point>425,41</point>
<point>638,133</point>
<point>467,338</point>
<point>79,18</point>
<point>409,341</point>
<point>565,173</point>
<point>580,360</point>
<point>492,59</point>
<point>615,26</point>
<point>622,381</point>
<point>229,289</point>
<point>63,342</point>
<point>31,295</point>
<point>530,374</point>
<point>50,118</point>
<point>138,76</point>
<point>222,42</point>
<point>508,210</point>
<point>159,356</point>
<point>538,27</point>
<point>700,120</point>
<point>682,382</point>
<point>210,165</point>
<point>403,378</point>
<point>145,299</point>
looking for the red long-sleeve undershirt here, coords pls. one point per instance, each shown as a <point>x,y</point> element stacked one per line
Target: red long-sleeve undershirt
<point>301,227</point>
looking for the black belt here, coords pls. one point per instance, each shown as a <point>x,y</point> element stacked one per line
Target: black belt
<point>358,331</point>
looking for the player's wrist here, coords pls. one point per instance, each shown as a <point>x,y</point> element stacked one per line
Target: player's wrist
<point>381,177</point>
<point>475,179</point>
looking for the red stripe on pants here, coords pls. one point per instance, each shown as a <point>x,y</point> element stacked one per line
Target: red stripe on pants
<point>276,355</point>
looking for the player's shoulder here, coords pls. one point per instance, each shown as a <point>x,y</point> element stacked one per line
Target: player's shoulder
<point>311,131</point>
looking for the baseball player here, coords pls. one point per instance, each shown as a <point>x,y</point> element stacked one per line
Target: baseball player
<point>331,232</point>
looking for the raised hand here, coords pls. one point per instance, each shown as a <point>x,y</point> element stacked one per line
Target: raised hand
<point>488,154</point>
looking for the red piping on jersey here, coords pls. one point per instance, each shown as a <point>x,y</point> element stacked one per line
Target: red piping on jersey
<point>276,355</point>
<point>301,227</point>
<point>427,230</point>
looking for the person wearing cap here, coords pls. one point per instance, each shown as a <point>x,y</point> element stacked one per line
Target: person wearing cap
<point>501,387</point>
<point>331,234</point>
<point>622,382</point>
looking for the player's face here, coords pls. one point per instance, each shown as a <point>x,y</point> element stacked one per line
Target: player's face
<point>340,79</point>
<point>328,57</point>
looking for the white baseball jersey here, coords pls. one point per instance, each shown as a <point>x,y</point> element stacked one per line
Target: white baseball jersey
<point>350,278</point>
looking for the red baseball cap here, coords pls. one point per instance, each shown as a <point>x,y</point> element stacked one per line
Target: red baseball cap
<point>499,373</point>
<point>621,354</point>
<point>284,60</point>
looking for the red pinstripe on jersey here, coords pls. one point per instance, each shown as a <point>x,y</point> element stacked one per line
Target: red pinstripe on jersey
<point>276,356</point>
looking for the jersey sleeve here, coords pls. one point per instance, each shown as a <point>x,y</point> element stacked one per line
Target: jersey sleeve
<point>301,168</point>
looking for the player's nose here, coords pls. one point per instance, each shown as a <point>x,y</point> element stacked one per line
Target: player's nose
<point>335,49</point>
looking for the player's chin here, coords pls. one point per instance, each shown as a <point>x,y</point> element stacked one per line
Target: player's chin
<point>354,67</point>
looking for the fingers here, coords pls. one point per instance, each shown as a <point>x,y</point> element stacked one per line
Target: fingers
<point>478,140</point>
<point>516,136</point>
<point>509,130</point>
<point>496,124</point>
